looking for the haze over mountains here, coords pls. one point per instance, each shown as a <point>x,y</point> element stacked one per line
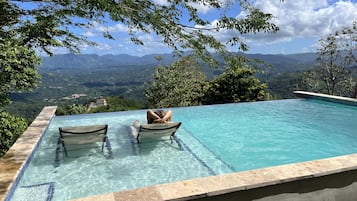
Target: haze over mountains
<point>280,63</point>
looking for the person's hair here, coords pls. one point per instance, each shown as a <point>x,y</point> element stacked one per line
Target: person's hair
<point>160,113</point>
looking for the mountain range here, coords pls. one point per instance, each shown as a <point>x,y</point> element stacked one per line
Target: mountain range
<point>72,62</point>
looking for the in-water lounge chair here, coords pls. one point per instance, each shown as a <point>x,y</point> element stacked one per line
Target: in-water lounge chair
<point>83,135</point>
<point>157,130</point>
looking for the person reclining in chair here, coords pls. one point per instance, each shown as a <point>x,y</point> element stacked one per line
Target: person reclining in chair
<point>158,116</point>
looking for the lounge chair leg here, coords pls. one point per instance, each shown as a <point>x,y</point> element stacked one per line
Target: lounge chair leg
<point>65,151</point>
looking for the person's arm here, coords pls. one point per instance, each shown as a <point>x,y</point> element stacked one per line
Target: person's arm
<point>159,121</point>
<point>168,116</point>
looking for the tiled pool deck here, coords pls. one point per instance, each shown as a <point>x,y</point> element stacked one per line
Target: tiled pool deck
<point>326,179</point>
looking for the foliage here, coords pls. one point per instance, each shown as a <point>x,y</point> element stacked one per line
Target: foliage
<point>332,74</point>
<point>11,127</point>
<point>49,23</point>
<point>118,103</point>
<point>181,84</point>
<point>348,35</point>
<point>17,68</point>
<point>27,109</point>
<point>114,104</point>
<point>236,84</point>
<point>71,109</point>
<point>282,86</point>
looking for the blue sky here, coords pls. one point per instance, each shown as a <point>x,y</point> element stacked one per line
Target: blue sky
<point>301,22</point>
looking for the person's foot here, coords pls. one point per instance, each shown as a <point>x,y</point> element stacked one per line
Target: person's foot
<point>136,124</point>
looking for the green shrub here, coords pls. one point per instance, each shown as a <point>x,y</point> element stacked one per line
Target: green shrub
<point>11,127</point>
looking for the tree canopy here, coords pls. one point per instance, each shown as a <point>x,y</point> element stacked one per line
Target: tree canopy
<point>236,84</point>
<point>41,25</point>
<point>184,84</point>
<point>50,23</point>
<point>336,54</point>
<point>181,84</point>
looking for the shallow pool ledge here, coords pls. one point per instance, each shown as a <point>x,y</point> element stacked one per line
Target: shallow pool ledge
<point>16,159</point>
<point>326,179</point>
<point>325,97</point>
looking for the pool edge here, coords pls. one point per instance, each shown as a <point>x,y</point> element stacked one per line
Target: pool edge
<point>17,157</point>
<point>325,97</point>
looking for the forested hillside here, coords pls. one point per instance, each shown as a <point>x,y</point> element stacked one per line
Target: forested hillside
<point>92,76</point>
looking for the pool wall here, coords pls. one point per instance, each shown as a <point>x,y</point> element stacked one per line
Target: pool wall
<point>19,155</point>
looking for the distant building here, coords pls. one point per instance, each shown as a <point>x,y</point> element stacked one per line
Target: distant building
<point>76,96</point>
<point>99,102</point>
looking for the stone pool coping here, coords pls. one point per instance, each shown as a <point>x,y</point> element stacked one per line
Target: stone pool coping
<point>325,97</point>
<point>15,159</point>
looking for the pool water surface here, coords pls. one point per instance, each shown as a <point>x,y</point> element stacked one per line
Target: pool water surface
<point>212,140</point>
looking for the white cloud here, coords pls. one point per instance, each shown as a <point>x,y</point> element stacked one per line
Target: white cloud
<point>161,2</point>
<point>300,19</point>
<point>204,9</point>
<point>312,19</point>
<point>152,44</point>
<point>97,29</point>
<point>305,18</point>
<point>118,28</point>
<point>201,8</point>
<point>103,46</point>
<point>90,34</point>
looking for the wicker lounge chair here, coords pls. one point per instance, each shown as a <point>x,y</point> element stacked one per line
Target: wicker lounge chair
<point>157,130</point>
<point>83,135</point>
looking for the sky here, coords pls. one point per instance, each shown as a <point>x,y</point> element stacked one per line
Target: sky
<point>302,23</point>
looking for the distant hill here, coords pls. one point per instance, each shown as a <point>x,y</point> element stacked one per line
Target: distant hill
<point>87,62</point>
<point>90,61</point>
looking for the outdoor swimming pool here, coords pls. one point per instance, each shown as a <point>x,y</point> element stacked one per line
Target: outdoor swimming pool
<point>212,140</point>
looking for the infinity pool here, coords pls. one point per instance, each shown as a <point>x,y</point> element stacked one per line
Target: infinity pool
<point>212,140</point>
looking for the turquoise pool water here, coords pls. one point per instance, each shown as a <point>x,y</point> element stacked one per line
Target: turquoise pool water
<point>212,140</point>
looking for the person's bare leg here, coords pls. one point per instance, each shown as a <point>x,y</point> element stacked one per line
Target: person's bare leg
<point>168,116</point>
<point>151,116</point>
